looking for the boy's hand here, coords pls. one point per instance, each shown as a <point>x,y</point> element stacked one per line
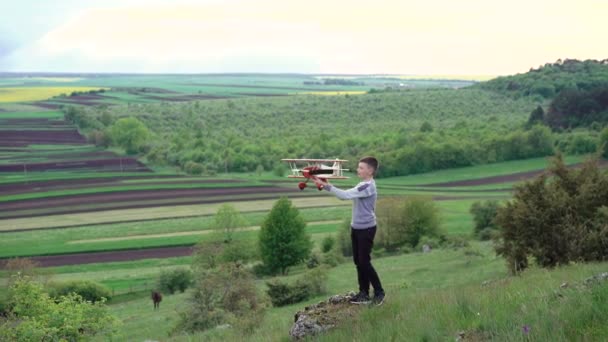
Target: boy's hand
<point>319,181</point>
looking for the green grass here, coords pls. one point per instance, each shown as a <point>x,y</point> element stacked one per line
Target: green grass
<point>430,297</point>
<point>56,241</point>
<point>476,172</point>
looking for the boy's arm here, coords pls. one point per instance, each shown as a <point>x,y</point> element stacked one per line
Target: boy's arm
<point>361,190</point>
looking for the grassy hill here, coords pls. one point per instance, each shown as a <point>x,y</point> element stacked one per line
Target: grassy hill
<point>431,297</point>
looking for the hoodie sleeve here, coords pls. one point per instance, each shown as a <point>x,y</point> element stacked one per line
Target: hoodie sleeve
<point>361,190</point>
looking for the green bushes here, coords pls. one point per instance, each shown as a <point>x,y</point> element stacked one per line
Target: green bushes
<point>406,221</point>
<point>34,316</point>
<point>88,290</point>
<point>484,213</point>
<point>174,280</point>
<point>344,243</point>
<point>310,284</point>
<point>225,294</point>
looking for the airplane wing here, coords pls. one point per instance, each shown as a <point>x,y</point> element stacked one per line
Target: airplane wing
<point>315,160</point>
<point>320,176</point>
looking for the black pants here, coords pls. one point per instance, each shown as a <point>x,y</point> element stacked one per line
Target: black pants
<point>363,241</point>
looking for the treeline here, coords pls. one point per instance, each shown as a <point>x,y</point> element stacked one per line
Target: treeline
<point>411,132</point>
<point>334,81</point>
<point>547,81</point>
<point>575,108</point>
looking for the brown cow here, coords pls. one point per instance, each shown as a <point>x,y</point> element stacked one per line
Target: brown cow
<point>157,297</point>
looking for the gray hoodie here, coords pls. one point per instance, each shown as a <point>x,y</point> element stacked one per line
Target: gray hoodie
<point>364,203</point>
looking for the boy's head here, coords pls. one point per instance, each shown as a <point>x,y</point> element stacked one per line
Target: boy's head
<point>367,167</point>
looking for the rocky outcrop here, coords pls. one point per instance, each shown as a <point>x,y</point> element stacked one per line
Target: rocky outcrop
<point>320,317</point>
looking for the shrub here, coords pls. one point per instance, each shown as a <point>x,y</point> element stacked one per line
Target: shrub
<point>312,283</point>
<point>194,168</point>
<point>241,251</point>
<point>332,259</point>
<point>327,244</point>
<point>88,290</point>
<point>178,279</point>
<point>556,222</point>
<point>34,316</point>
<point>344,241</point>
<point>225,294</point>
<point>406,221</point>
<point>484,213</point>
<point>314,260</point>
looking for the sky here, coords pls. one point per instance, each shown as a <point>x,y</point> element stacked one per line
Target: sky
<point>406,37</point>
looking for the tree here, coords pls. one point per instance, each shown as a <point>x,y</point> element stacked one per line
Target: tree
<point>556,222</point>
<point>227,220</point>
<point>130,134</point>
<point>283,240</point>
<point>537,116</point>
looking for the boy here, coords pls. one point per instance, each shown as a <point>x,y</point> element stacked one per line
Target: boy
<point>363,228</point>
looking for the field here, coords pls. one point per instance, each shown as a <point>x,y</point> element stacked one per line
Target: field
<point>28,94</point>
<point>45,91</point>
<point>88,212</point>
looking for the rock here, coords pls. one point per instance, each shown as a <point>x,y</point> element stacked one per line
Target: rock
<point>426,248</point>
<point>320,317</point>
<point>596,278</point>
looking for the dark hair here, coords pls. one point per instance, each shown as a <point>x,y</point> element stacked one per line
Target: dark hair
<point>371,161</point>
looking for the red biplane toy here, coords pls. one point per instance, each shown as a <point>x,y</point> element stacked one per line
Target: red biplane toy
<point>315,168</point>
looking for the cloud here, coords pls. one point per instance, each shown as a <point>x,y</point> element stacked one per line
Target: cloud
<point>383,36</point>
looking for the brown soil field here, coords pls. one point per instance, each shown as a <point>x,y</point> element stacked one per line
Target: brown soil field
<point>130,199</point>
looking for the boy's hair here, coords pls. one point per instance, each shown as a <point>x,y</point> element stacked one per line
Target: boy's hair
<point>371,161</point>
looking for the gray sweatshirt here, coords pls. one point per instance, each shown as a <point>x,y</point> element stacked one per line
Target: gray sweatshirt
<point>364,203</point>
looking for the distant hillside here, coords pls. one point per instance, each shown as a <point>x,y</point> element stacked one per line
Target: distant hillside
<point>547,81</point>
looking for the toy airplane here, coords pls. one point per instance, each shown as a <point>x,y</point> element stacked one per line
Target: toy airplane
<point>315,168</point>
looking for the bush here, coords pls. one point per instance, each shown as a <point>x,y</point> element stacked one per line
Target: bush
<point>225,294</point>
<point>34,316</point>
<point>88,290</point>
<point>194,168</point>
<point>556,222</point>
<point>241,251</point>
<point>327,244</point>
<point>173,280</point>
<point>312,283</point>
<point>332,259</point>
<point>484,213</point>
<point>99,138</point>
<point>344,241</point>
<point>227,220</point>
<point>454,242</point>
<point>314,260</point>
<point>432,242</point>
<point>604,142</point>
<point>403,222</point>
<point>487,234</point>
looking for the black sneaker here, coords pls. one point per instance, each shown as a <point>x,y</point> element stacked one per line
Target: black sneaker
<point>378,298</point>
<point>361,298</point>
